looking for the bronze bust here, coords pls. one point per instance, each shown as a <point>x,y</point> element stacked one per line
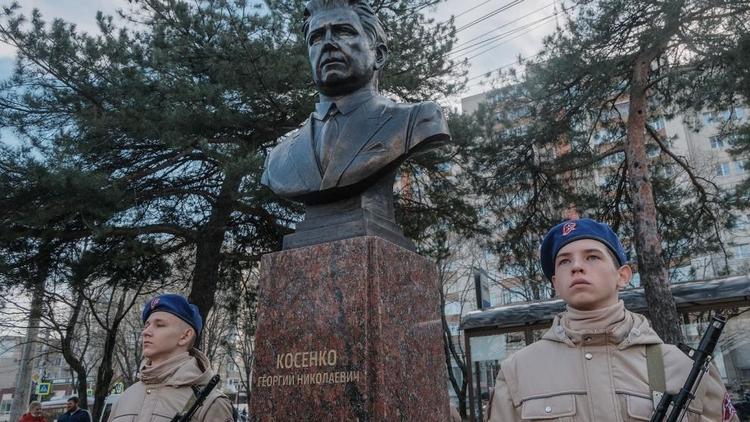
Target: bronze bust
<point>342,162</point>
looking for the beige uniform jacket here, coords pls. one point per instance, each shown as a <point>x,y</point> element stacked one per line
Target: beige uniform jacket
<point>163,391</point>
<point>596,375</point>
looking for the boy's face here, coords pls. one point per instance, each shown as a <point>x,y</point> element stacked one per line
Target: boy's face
<point>587,277</point>
<point>164,335</point>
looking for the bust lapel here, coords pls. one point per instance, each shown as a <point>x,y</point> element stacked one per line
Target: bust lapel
<point>358,129</point>
<point>303,156</point>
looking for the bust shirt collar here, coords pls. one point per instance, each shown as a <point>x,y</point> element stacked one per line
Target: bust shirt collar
<point>345,104</point>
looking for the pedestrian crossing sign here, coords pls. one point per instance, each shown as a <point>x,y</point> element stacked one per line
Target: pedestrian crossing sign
<point>119,388</point>
<point>43,388</point>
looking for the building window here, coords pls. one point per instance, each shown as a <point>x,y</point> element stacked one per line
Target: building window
<point>724,116</point>
<point>657,123</point>
<point>667,171</point>
<point>510,296</point>
<point>717,142</point>
<point>743,222</point>
<point>624,109</point>
<point>453,308</point>
<point>722,169</point>
<point>742,251</point>
<point>614,159</point>
<point>740,167</point>
<point>605,136</point>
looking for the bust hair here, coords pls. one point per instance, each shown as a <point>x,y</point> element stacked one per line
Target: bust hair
<point>370,21</point>
<point>33,405</point>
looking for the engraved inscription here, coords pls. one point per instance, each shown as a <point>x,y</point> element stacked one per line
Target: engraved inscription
<point>338,377</point>
<point>306,359</point>
<point>309,359</point>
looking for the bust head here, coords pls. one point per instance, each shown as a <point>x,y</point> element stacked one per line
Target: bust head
<point>346,45</point>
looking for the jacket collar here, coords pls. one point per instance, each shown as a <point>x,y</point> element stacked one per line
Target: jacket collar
<point>189,368</point>
<point>614,325</point>
<point>345,104</point>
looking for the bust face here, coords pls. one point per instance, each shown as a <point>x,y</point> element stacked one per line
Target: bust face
<point>341,55</point>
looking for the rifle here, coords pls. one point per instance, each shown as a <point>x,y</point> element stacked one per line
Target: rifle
<point>701,357</point>
<point>200,398</point>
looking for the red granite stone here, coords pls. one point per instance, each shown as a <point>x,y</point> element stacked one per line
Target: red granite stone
<point>369,311</point>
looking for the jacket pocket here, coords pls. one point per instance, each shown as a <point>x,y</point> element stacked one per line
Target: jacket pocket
<point>640,409</point>
<point>559,408</point>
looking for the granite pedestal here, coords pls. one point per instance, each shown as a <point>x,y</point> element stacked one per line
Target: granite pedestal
<point>349,330</point>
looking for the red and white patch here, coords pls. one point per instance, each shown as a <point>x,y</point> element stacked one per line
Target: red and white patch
<point>568,228</point>
<point>728,410</point>
<point>154,303</point>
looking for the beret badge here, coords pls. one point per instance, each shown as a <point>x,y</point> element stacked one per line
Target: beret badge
<point>568,228</point>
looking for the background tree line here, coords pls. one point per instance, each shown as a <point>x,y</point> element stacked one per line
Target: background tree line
<point>139,152</point>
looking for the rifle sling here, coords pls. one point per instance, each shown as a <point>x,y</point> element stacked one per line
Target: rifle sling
<point>655,368</point>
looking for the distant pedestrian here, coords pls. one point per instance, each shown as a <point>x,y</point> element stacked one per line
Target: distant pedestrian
<point>74,413</point>
<point>34,414</point>
<point>173,371</point>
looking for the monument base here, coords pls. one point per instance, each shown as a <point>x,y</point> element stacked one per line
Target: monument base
<point>349,331</point>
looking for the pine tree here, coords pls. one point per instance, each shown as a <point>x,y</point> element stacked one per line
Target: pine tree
<point>163,119</point>
<point>179,112</point>
<point>588,105</point>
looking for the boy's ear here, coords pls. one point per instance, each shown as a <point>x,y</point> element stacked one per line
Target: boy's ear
<point>624,275</point>
<point>188,337</point>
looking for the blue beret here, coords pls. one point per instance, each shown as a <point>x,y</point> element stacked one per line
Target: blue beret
<point>571,230</point>
<point>177,306</point>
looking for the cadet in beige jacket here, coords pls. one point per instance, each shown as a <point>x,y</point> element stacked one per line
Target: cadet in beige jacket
<point>173,371</point>
<point>591,365</point>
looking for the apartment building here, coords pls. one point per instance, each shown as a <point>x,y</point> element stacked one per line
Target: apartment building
<point>699,139</point>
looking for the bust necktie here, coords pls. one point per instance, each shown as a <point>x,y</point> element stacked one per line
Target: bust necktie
<point>328,136</point>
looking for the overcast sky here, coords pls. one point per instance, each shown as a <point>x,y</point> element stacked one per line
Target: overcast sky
<point>519,24</point>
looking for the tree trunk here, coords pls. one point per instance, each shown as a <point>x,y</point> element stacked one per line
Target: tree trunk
<point>450,350</point>
<point>75,363</point>
<point>105,373</point>
<point>22,392</point>
<point>83,387</point>
<point>208,247</point>
<point>651,266</point>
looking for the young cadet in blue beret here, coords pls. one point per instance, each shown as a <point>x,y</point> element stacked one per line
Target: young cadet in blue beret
<point>173,371</point>
<point>591,366</point>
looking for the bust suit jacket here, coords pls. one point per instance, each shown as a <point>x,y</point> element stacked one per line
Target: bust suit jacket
<point>373,138</point>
